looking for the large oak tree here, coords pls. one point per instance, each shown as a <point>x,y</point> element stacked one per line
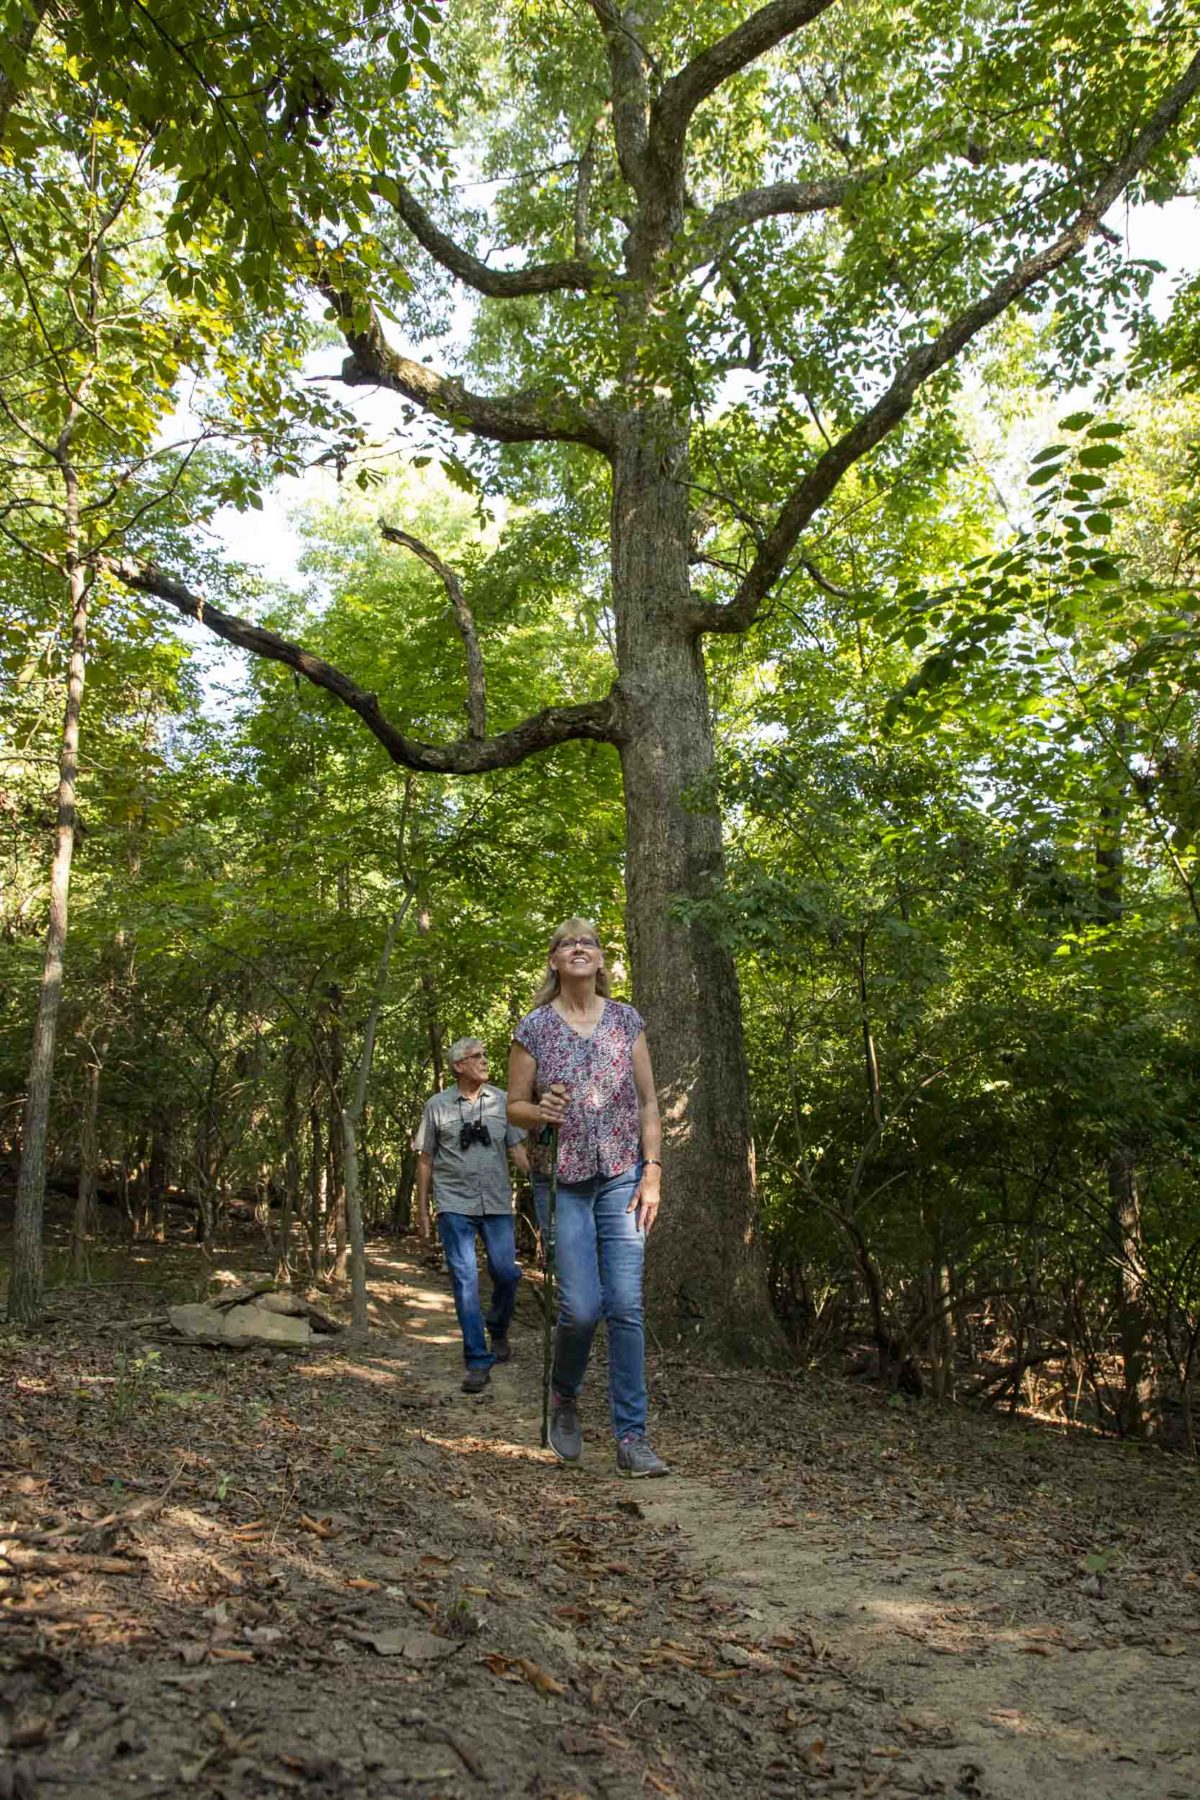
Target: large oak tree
<point>842,198</point>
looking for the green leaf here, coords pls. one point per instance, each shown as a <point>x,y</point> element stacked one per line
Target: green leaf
<point>1100,456</point>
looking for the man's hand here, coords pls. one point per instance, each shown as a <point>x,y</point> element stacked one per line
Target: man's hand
<point>424,1228</point>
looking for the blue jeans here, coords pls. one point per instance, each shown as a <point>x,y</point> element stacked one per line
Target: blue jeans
<point>457,1232</point>
<point>599,1253</point>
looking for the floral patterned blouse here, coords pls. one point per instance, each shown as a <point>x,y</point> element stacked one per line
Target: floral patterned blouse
<point>601,1133</point>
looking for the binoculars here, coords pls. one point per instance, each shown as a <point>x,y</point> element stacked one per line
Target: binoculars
<point>473,1131</point>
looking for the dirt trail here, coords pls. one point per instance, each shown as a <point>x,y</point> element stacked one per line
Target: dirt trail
<point>342,1577</point>
<point>1005,1694</point>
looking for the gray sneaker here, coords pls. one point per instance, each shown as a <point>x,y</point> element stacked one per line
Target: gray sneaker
<point>566,1438</point>
<point>636,1458</point>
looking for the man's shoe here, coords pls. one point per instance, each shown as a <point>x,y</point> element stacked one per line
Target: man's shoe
<point>636,1458</point>
<point>475,1380</point>
<point>566,1439</point>
<point>500,1349</point>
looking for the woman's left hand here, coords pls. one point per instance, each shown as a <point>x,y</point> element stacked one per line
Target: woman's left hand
<point>645,1200</point>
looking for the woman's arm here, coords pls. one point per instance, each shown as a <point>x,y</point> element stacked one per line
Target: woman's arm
<point>646,1199</point>
<point>524,1108</point>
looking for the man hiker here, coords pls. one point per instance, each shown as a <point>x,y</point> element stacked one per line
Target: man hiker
<point>464,1144</point>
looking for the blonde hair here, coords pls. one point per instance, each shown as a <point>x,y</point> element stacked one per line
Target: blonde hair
<point>550,986</point>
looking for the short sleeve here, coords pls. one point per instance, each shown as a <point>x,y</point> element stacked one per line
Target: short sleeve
<point>528,1034</point>
<point>426,1133</point>
<point>634,1022</point>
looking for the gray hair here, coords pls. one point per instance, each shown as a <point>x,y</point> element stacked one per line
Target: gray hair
<point>461,1048</point>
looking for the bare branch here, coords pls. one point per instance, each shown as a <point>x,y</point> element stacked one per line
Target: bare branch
<point>599,720</point>
<point>823,582</point>
<point>498,284</point>
<point>509,418</point>
<point>893,406</point>
<point>701,77</point>
<point>627,62</point>
<point>476,681</point>
<point>713,233</point>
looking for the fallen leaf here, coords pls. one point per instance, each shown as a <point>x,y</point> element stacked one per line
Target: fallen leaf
<point>363,1585</point>
<point>538,1678</point>
<point>219,1654</point>
<point>322,1528</point>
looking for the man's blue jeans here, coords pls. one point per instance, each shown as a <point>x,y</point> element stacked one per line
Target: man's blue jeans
<point>457,1232</point>
<point>599,1254</point>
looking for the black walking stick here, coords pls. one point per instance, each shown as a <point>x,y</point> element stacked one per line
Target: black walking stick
<point>548,1244</point>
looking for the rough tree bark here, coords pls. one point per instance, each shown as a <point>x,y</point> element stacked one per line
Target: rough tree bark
<point>705,1265</point>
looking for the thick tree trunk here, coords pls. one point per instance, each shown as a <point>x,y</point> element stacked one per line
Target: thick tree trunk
<point>25,1289</point>
<point>705,1267</point>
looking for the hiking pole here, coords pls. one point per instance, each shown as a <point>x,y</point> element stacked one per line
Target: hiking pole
<point>548,1242</point>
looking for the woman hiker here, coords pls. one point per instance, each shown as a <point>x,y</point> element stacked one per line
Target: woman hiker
<point>579,1063</point>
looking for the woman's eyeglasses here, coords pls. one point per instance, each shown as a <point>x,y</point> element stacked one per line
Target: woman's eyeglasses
<point>577,944</point>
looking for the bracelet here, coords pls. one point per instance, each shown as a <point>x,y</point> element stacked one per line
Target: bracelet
<point>647,1160</point>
